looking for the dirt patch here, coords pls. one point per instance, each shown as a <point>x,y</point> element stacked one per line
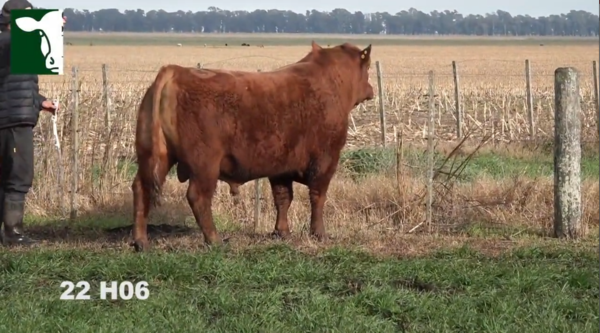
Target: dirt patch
<point>51,235</point>
<point>154,230</point>
<point>167,238</point>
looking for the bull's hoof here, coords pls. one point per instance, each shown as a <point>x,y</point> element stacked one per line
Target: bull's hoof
<point>215,242</point>
<point>140,245</point>
<point>280,235</point>
<point>319,236</point>
<point>217,247</point>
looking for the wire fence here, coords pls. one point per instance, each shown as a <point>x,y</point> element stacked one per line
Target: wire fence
<point>96,124</point>
<point>510,106</point>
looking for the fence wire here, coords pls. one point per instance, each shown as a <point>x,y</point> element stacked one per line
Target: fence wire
<point>492,107</point>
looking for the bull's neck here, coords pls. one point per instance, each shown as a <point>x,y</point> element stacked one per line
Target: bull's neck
<point>342,87</point>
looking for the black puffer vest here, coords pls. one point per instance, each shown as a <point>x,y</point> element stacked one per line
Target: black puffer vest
<point>20,100</point>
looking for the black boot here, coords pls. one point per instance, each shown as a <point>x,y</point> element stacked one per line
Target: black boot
<point>13,224</point>
<point>1,214</point>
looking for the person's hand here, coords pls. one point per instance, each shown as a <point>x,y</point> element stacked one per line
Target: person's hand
<point>48,106</point>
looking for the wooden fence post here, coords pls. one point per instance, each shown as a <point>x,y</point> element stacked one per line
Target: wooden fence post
<point>381,102</point>
<point>595,76</point>
<point>106,97</point>
<point>459,114</point>
<point>567,154</point>
<point>400,183</point>
<point>75,143</point>
<point>529,99</point>
<point>430,149</point>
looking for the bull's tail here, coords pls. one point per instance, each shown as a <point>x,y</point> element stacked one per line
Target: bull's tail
<point>157,151</point>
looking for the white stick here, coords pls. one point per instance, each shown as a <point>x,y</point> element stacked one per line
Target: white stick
<point>55,128</point>
<point>57,144</point>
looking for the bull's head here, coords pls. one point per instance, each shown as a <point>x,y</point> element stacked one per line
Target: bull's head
<point>51,30</point>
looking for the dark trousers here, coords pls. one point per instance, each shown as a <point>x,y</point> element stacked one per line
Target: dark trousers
<point>16,163</point>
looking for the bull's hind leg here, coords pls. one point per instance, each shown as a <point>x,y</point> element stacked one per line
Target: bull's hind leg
<point>141,208</point>
<point>202,185</point>
<point>283,194</point>
<point>146,189</point>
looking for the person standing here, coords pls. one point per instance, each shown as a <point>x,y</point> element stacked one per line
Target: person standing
<point>20,105</point>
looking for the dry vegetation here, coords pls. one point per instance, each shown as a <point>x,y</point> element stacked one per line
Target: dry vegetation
<point>493,92</point>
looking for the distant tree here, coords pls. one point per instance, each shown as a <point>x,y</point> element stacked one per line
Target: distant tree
<point>407,22</point>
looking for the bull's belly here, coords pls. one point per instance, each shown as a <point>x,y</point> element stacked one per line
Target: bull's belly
<point>240,171</point>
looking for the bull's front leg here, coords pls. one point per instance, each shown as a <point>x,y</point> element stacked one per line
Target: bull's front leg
<point>283,194</point>
<point>234,191</point>
<point>318,184</point>
<point>318,196</point>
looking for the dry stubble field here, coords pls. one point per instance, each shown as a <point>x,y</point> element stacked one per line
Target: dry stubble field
<point>380,206</point>
<point>485,263</point>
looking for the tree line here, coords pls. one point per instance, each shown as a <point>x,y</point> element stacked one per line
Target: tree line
<point>340,21</point>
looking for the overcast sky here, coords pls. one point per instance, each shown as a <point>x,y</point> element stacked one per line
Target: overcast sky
<point>530,7</point>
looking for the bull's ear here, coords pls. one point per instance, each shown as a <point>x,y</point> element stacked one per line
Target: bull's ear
<point>365,56</point>
<point>366,53</point>
<point>315,47</point>
<point>26,24</point>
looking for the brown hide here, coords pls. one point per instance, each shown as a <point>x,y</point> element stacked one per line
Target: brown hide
<point>183,172</point>
<point>288,124</point>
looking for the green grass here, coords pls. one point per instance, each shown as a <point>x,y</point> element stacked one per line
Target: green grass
<point>277,289</point>
<point>498,164</point>
<point>362,162</point>
<point>79,38</point>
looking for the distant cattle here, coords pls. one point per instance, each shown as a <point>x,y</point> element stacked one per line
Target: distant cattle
<point>245,44</point>
<point>179,45</point>
<point>288,125</point>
